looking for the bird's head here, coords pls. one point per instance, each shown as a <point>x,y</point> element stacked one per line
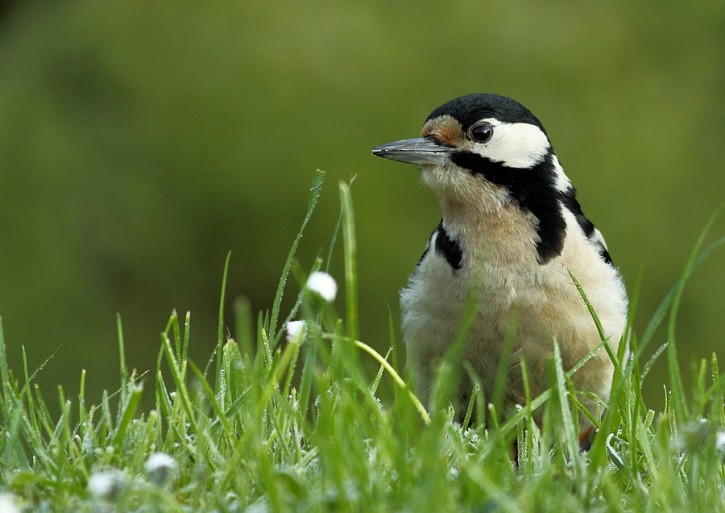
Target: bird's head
<point>482,151</point>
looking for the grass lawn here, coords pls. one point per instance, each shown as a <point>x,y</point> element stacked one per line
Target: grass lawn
<point>315,420</point>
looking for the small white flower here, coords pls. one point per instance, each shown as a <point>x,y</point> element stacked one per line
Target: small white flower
<point>720,441</point>
<point>161,467</point>
<point>8,503</point>
<point>295,331</point>
<point>260,506</point>
<point>323,284</point>
<point>106,484</point>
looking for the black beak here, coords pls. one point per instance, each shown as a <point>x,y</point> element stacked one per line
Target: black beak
<point>421,151</point>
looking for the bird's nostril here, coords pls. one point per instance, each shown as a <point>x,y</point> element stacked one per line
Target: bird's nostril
<point>438,139</point>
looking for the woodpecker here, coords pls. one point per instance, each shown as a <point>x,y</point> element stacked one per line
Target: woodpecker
<point>511,232</point>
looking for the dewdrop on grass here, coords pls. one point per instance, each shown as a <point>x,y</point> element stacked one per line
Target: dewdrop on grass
<point>322,284</point>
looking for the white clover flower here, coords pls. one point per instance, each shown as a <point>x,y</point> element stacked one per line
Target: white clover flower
<point>295,331</point>
<point>161,468</point>
<point>8,503</point>
<point>106,484</point>
<point>323,284</point>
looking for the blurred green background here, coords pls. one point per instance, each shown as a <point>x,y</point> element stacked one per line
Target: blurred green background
<point>141,141</point>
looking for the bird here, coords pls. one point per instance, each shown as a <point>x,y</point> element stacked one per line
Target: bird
<point>512,232</point>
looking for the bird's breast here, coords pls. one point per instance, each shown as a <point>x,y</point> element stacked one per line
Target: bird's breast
<point>513,290</point>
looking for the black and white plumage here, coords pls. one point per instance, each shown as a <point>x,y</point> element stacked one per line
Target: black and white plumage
<point>511,226</point>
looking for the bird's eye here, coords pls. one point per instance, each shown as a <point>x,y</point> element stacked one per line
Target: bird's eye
<point>481,132</point>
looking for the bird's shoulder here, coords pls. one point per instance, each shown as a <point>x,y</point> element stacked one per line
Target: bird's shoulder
<point>593,235</point>
<point>442,244</point>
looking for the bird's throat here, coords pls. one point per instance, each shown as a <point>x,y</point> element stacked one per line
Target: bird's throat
<point>503,234</point>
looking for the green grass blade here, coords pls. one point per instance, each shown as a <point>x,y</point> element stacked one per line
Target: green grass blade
<point>315,188</point>
<point>396,378</point>
<point>350,244</point>
<point>121,352</point>
<point>677,385</point>
<point>222,296</point>
<point>4,373</point>
<point>333,238</point>
<point>128,410</point>
<point>569,430</point>
<point>177,374</point>
<point>220,415</point>
<point>600,329</point>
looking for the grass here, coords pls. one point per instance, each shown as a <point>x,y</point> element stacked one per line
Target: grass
<point>270,424</point>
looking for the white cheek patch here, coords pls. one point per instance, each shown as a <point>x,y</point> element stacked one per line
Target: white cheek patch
<point>517,145</point>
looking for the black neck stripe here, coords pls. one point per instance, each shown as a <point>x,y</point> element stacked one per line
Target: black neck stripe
<point>449,248</point>
<point>533,189</point>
